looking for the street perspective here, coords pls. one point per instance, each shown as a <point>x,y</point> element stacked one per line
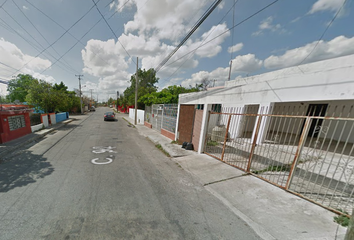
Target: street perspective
<point>157,119</point>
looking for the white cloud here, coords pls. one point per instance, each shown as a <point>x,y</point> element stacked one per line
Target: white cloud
<point>241,64</point>
<point>235,48</point>
<point>246,64</point>
<point>171,23</point>
<point>12,56</point>
<point>339,46</point>
<point>326,5</point>
<point>266,25</point>
<point>25,8</point>
<point>106,60</point>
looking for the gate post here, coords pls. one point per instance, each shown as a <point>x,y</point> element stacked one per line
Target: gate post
<point>254,143</point>
<point>226,133</point>
<point>299,150</point>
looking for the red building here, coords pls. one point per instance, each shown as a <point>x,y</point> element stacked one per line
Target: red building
<point>15,121</point>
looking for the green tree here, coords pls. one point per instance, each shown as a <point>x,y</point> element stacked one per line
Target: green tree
<point>18,87</point>
<point>43,96</point>
<point>147,81</point>
<point>167,95</point>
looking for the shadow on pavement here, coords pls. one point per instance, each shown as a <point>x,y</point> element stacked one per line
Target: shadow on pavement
<point>22,170</point>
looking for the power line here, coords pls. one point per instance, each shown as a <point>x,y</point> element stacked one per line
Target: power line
<point>111,29</point>
<point>228,30</point>
<point>201,42</point>
<point>195,27</point>
<point>67,66</point>
<point>324,32</point>
<point>60,36</point>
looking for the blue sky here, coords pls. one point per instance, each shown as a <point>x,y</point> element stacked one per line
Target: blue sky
<point>58,39</point>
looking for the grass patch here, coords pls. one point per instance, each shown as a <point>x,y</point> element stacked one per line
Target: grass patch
<point>342,219</point>
<point>174,142</point>
<point>212,143</point>
<point>281,168</point>
<point>162,150</point>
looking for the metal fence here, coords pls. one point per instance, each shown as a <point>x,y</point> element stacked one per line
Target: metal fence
<point>311,156</point>
<point>162,116</point>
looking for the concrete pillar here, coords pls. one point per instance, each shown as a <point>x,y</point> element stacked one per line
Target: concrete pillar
<point>177,122</point>
<point>264,125</point>
<point>204,128</point>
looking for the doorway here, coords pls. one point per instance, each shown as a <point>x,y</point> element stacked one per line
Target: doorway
<point>318,110</point>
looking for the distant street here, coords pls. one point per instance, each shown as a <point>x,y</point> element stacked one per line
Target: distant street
<point>93,179</point>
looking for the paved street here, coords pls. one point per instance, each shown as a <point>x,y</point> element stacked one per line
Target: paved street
<point>93,179</point>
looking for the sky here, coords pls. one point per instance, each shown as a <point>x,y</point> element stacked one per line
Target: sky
<point>59,39</point>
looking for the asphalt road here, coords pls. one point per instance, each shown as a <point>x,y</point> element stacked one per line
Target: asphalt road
<point>53,190</point>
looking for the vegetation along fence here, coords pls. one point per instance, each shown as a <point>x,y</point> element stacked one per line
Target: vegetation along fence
<point>162,116</point>
<point>309,154</point>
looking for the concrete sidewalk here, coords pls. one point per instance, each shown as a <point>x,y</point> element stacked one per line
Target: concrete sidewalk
<point>11,146</point>
<point>272,212</point>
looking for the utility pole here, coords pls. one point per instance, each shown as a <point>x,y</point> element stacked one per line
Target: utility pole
<point>117,99</point>
<point>79,76</point>
<point>136,91</point>
<point>230,70</point>
<point>91,97</point>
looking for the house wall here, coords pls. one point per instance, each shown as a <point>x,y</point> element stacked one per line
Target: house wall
<point>331,79</point>
<point>7,135</point>
<point>325,81</point>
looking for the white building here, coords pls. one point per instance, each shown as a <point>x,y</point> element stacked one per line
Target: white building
<point>327,86</point>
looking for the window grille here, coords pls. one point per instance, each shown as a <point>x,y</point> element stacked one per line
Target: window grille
<point>16,122</point>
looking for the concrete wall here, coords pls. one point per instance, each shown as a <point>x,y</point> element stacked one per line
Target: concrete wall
<point>140,117</point>
<point>37,127</point>
<point>61,116</point>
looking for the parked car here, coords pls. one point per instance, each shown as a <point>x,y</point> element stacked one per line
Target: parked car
<point>109,116</point>
<point>92,109</point>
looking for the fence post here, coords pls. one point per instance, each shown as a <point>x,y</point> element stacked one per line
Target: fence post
<point>225,140</point>
<point>299,150</point>
<point>254,143</point>
<point>206,133</point>
<point>350,230</point>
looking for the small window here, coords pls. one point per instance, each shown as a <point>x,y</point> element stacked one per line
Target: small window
<point>16,122</point>
<point>216,108</point>
<point>200,106</point>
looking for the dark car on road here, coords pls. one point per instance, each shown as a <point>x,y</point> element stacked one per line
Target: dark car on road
<point>109,116</point>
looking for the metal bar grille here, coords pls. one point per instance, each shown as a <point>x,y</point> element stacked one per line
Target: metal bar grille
<point>310,154</point>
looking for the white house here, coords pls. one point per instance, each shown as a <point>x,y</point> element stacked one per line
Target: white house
<point>327,86</point>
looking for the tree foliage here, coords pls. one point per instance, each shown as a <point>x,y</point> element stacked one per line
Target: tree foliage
<point>167,95</point>
<point>147,81</point>
<point>18,87</point>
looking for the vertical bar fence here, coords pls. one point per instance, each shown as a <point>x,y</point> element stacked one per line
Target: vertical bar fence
<point>310,155</point>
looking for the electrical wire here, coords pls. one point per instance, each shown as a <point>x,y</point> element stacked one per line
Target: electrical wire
<point>194,28</point>
<point>59,36</point>
<point>228,30</point>
<point>324,32</point>
<point>112,30</point>
<point>200,44</point>
<point>67,66</point>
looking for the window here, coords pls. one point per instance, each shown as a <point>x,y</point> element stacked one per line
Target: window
<point>216,108</point>
<point>16,122</point>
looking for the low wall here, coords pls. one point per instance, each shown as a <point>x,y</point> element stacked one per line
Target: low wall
<point>37,127</point>
<point>61,116</point>
<point>140,118</point>
<point>168,134</point>
<point>149,125</point>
